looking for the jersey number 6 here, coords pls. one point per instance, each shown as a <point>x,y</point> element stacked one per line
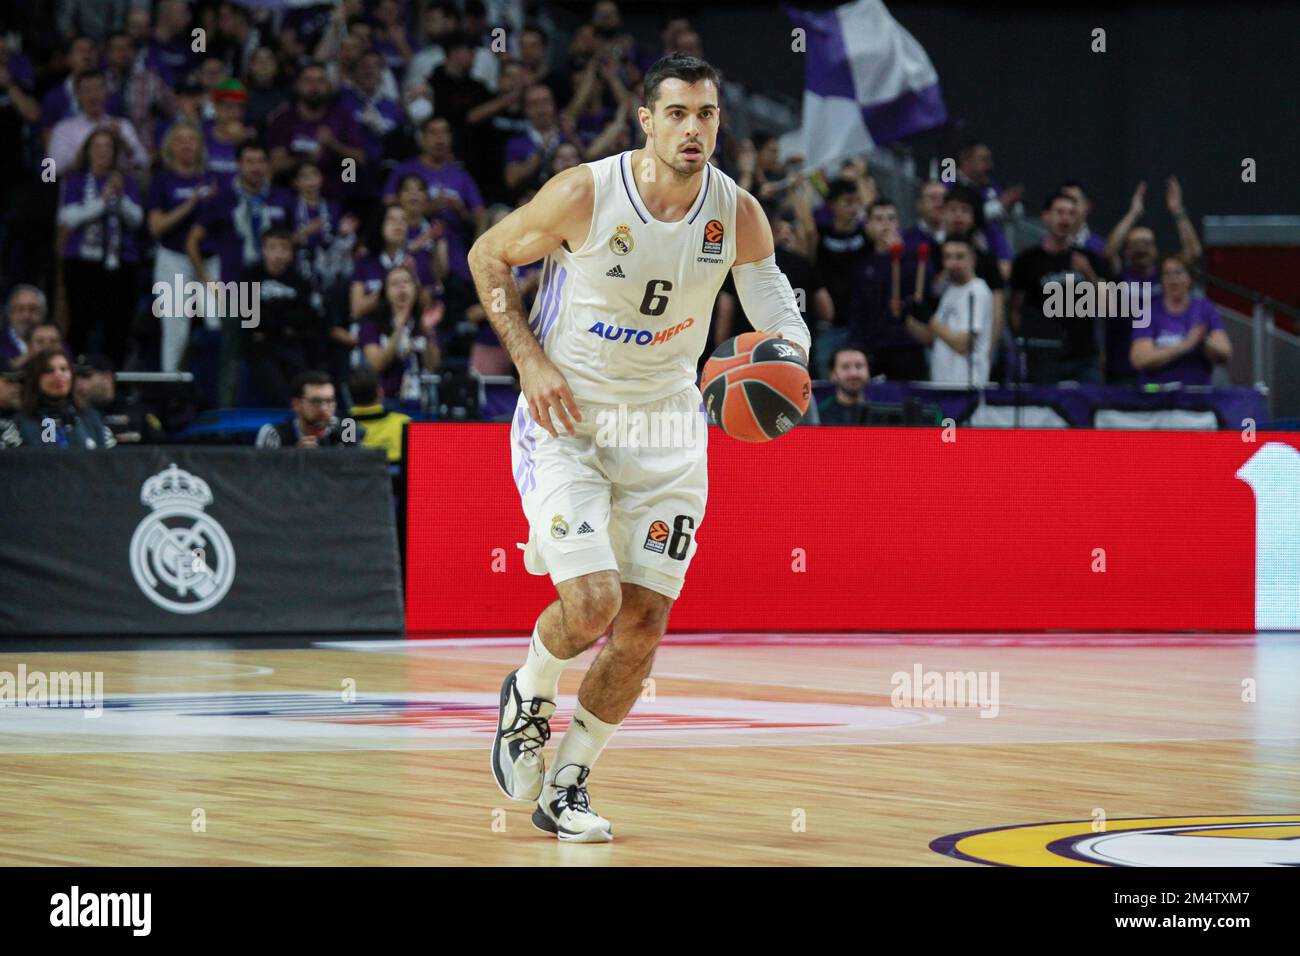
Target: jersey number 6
<point>654,302</point>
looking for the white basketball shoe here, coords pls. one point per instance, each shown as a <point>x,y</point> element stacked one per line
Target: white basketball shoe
<point>564,808</point>
<point>523,727</point>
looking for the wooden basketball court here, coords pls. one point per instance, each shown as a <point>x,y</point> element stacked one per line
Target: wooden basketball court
<point>744,750</point>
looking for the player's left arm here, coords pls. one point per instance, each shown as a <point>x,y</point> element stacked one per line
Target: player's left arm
<point>764,290</point>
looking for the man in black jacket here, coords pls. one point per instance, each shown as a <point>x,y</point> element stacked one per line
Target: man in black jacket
<point>289,337</point>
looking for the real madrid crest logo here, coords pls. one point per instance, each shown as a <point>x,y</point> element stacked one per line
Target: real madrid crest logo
<point>621,242</point>
<point>181,558</point>
<point>559,527</point>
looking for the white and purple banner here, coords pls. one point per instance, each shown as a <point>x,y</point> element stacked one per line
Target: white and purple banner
<point>867,82</point>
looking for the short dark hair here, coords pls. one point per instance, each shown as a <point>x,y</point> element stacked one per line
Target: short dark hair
<point>278,232</point>
<point>964,195</point>
<point>88,75</point>
<point>840,187</point>
<point>1053,197</point>
<point>879,203</point>
<point>835,356</point>
<point>960,241</point>
<point>457,39</point>
<point>248,144</point>
<point>309,377</point>
<point>363,383</point>
<point>678,66</point>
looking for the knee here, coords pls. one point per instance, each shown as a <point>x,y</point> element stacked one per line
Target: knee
<point>637,633</point>
<point>591,607</point>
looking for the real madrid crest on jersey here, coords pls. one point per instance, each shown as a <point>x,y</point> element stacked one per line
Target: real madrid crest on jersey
<point>181,558</point>
<point>559,527</point>
<point>621,242</point>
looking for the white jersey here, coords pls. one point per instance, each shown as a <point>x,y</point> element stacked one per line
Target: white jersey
<point>626,315</point>
<point>964,308</point>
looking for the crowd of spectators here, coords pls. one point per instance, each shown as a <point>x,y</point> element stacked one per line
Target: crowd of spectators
<point>345,156</point>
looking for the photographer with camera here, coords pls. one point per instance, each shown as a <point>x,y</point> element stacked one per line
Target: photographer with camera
<point>314,424</point>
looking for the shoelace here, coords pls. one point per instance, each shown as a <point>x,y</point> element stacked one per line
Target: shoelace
<point>575,797</point>
<point>526,721</point>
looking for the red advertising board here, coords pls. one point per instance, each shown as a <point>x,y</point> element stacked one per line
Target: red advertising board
<point>882,529</point>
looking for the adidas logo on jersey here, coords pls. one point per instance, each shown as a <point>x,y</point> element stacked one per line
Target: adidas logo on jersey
<point>585,528</point>
<point>616,273</point>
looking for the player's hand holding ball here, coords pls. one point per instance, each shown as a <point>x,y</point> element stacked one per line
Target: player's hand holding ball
<point>756,386</point>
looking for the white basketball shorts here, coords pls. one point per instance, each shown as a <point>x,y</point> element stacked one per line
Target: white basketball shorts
<point>626,493</point>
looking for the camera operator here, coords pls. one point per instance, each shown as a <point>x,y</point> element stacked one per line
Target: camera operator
<point>314,424</point>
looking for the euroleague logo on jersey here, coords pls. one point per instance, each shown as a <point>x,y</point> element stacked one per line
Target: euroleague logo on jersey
<point>713,233</point>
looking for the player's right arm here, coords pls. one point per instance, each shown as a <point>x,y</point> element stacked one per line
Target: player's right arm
<point>560,213</point>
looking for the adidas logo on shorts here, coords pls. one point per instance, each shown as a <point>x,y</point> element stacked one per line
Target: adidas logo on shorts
<point>585,528</point>
<point>616,273</point>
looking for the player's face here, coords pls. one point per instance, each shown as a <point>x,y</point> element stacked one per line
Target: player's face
<point>683,129</point>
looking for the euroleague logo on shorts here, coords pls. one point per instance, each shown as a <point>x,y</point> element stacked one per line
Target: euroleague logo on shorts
<point>713,233</point>
<point>656,539</point>
<point>674,541</point>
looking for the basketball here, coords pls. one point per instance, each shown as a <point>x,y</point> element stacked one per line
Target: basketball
<point>755,387</point>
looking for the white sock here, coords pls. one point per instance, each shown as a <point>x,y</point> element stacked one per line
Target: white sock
<point>540,675</point>
<point>583,741</point>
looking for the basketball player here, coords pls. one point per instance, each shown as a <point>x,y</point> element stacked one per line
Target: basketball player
<point>636,247</point>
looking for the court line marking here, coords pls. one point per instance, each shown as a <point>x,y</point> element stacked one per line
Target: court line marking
<point>794,639</point>
<point>255,670</point>
<point>400,746</point>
